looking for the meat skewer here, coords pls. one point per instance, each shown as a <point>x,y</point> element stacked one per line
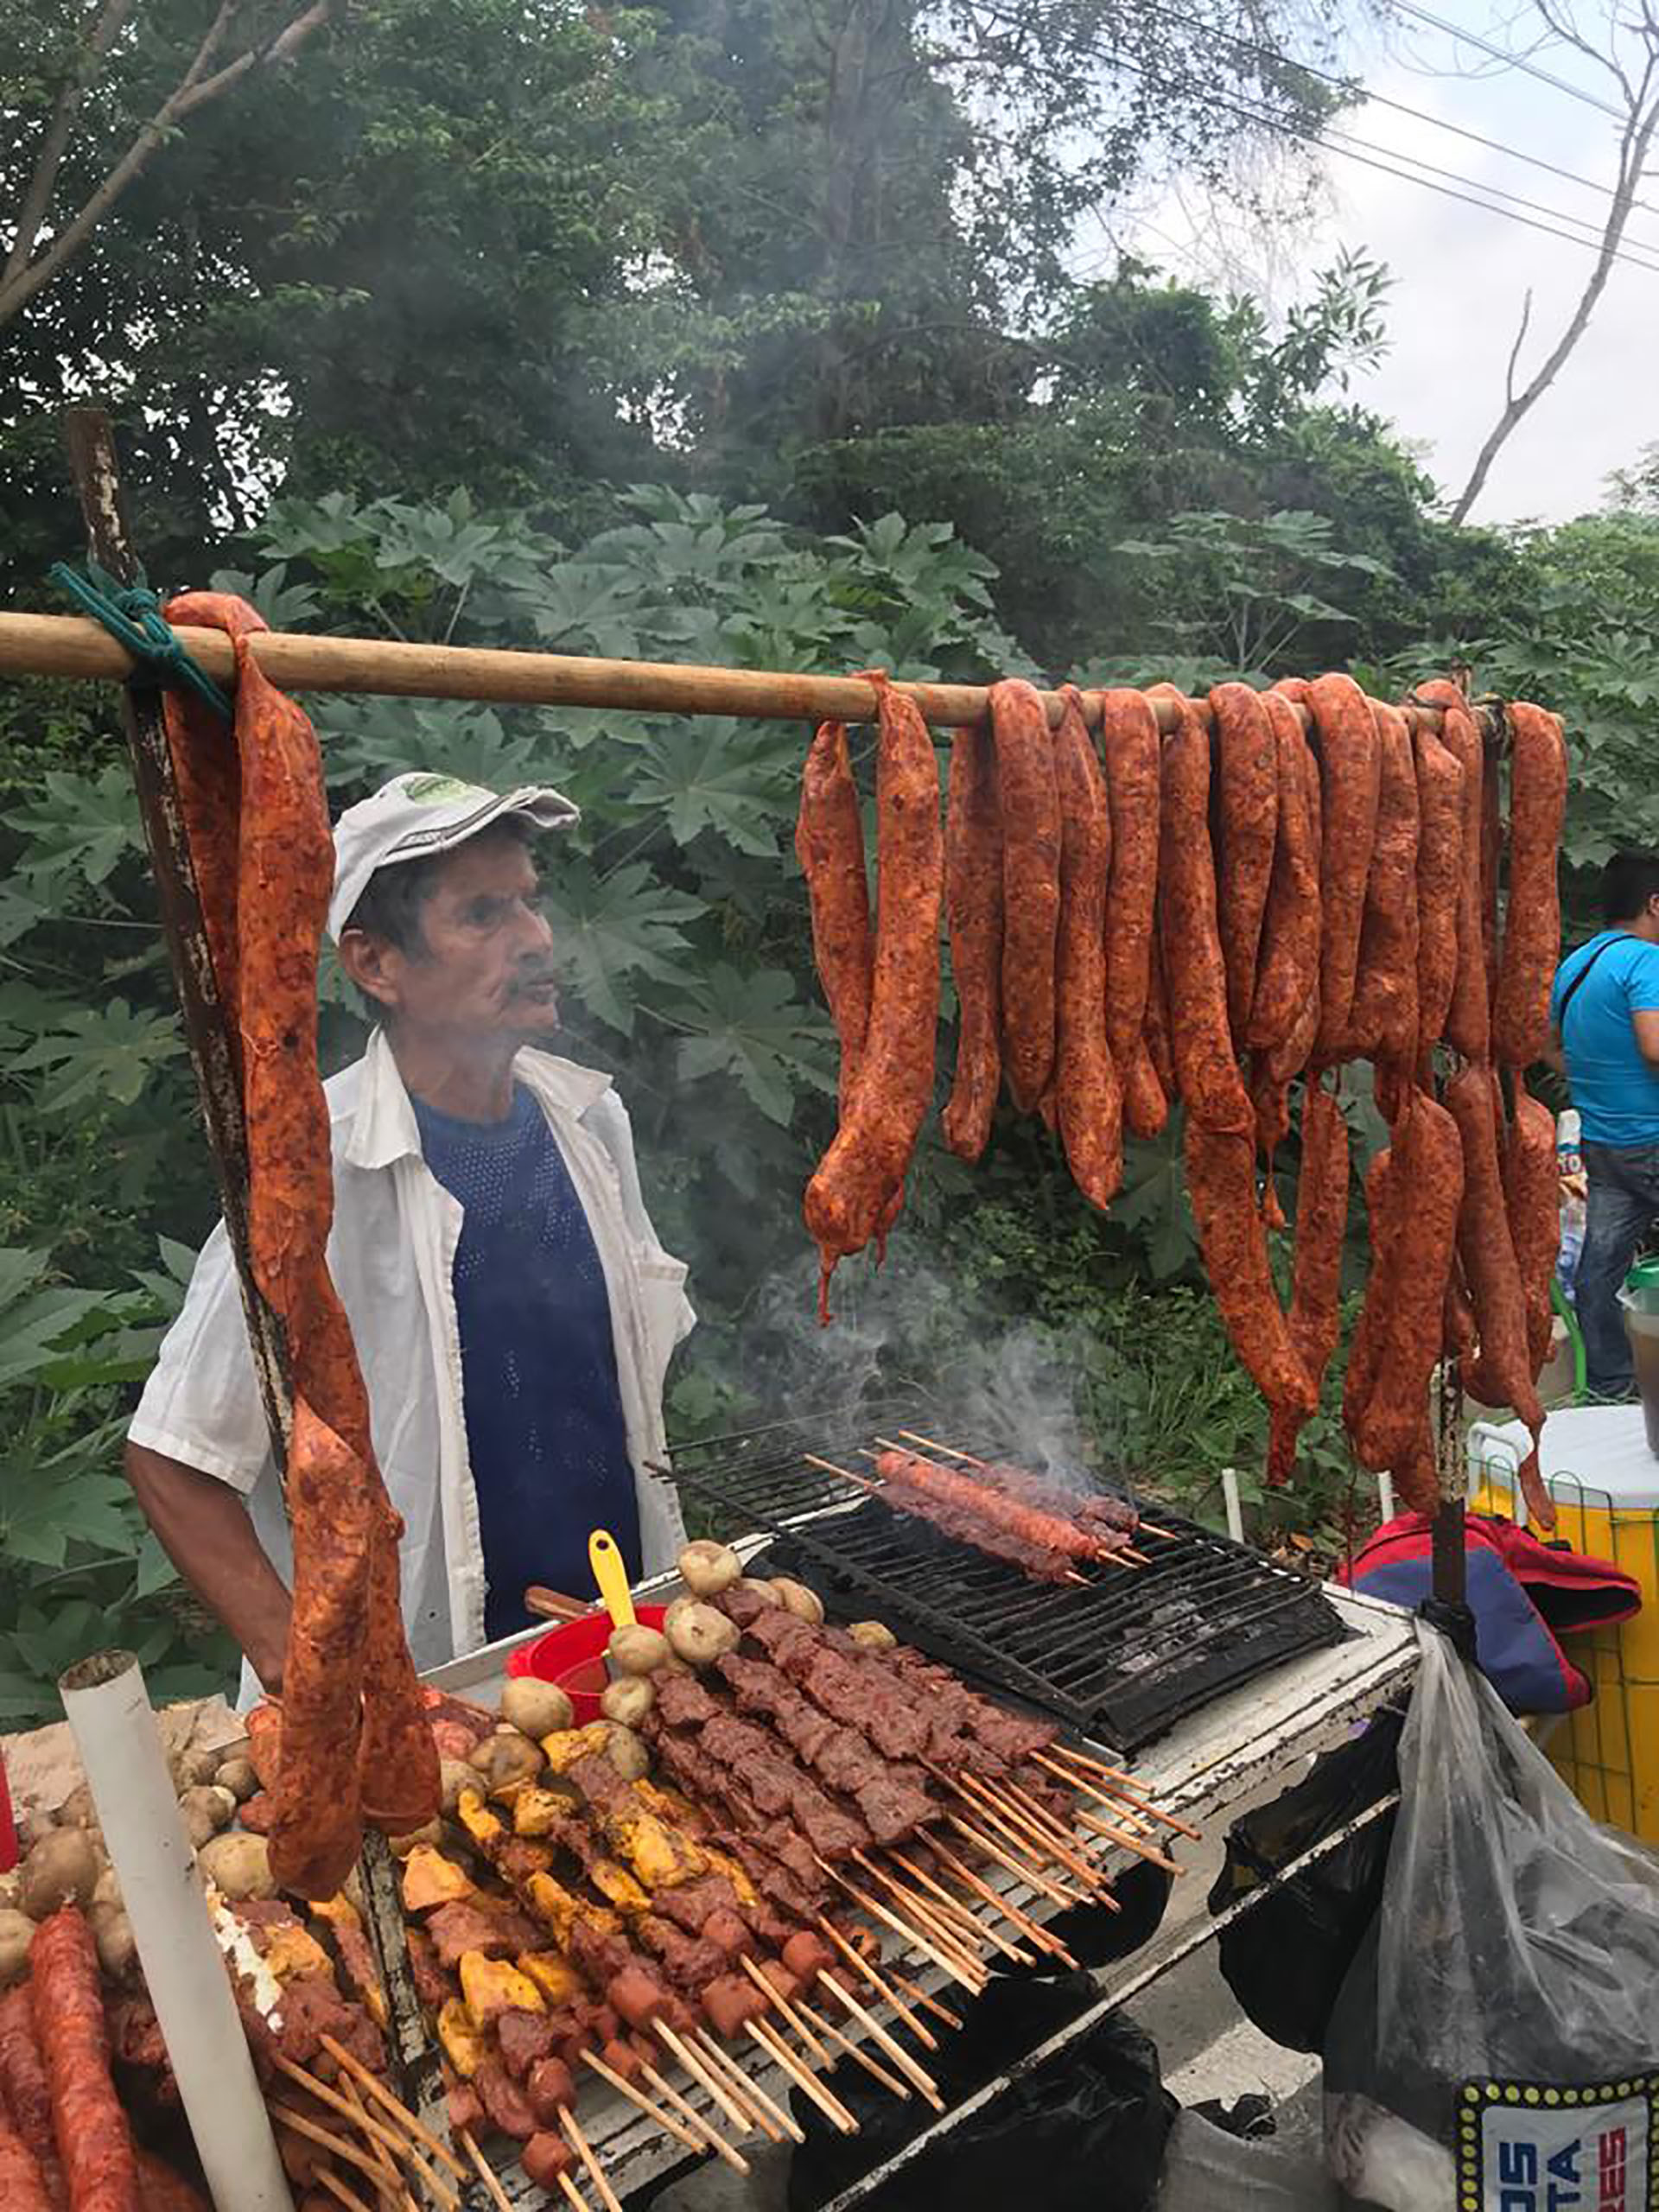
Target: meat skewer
<point>1040,1562</point>
<point>1104,1506</point>
<point>914,1469</point>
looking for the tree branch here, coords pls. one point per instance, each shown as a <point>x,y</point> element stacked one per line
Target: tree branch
<point>1635,143</point>
<point>1514,351</point>
<point>37,198</point>
<point>194,89</point>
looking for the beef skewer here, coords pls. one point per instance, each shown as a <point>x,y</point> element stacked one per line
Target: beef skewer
<point>1103,1506</point>
<point>1055,1531</point>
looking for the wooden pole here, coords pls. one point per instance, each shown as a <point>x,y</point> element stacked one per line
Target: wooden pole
<point>60,644</point>
<point>215,1058</point>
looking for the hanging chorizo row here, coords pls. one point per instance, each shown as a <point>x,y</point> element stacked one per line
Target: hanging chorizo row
<point>1208,918</point>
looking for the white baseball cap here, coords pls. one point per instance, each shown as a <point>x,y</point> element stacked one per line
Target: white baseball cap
<point>416,815</point>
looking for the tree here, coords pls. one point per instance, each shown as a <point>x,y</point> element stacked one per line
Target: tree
<point>1627,54</point>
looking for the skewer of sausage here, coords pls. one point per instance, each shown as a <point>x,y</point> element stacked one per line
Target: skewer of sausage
<point>24,2089</point>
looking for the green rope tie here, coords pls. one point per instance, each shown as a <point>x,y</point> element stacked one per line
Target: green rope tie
<point>132,615</point>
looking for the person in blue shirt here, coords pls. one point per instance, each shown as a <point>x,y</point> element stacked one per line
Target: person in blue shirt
<point>1604,1007</point>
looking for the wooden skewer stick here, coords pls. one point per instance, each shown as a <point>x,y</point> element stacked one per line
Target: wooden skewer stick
<point>947,1930</point>
<point>583,2150</point>
<point>391,2189</point>
<point>767,2038</point>
<point>967,1972</point>
<point>1088,1821</point>
<point>919,1996</point>
<point>740,2116</point>
<point>1021,1869</point>
<point>337,2188</point>
<point>486,2174</point>
<point>1124,1789</point>
<point>788,2012</point>
<point>1034,1930</point>
<point>696,2121</point>
<point>1125,1842</point>
<point>911,2069</point>
<point>988,1815</point>
<point>1043,1820</point>
<point>828,1467</point>
<point>327,2140</point>
<point>855,2051</point>
<point>377,2089</point>
<point>641,2102</point>
<point>866,1971</point>
<point>378,2132</point>
<point>951,1910</point>
<point>968,1461</point>
<point>1021,1824</point>
<point>767,2109</point>
<point>1020,1921</point>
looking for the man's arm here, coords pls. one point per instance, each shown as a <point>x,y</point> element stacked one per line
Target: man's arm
<point>1646,1026</point>
<point>203,1527</point>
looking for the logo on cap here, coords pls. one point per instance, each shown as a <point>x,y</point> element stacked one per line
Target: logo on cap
<point>437,791</point>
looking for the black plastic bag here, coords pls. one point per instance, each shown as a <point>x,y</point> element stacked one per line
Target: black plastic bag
<point>1287,1958</point>
<point>1098,2109</point>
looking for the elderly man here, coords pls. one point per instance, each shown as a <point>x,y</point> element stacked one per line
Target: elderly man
<point>513,1311</point>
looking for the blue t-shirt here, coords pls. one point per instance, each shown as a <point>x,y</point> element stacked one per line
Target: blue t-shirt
<point>1617,1093</point>
<point>545,1430</point>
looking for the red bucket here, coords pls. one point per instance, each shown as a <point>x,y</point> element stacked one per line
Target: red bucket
<point>573,1657</point>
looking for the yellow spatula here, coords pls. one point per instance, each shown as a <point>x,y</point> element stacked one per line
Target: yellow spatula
<point>610,1572</point>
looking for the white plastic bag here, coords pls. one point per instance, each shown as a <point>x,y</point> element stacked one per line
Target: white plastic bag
<point>1496,2045</point>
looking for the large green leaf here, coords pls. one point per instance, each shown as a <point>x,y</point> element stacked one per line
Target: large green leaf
<point>753,1027</point>
<point>1153,1200</point>
<point>35,1318</point>
<point>78,832</point>
<point>612,932</point>
<point>714,773</point>
<point>41,1519</point>
<point>100,1051</point>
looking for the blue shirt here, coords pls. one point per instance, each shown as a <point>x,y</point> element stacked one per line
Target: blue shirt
<point>545,1430</point>
<point>1617,1093</point>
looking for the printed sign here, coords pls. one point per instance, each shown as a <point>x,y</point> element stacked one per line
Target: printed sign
<point>1534,2146</point>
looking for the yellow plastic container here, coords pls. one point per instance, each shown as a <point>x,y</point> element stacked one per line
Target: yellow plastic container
<point>1605,1481</point>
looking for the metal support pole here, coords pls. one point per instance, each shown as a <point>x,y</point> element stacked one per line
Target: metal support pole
<point>216,1060</point>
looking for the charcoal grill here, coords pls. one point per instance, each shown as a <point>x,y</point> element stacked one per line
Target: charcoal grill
<point>1123,1656</point>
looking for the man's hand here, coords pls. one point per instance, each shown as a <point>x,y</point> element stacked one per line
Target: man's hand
<point>203,1527</point>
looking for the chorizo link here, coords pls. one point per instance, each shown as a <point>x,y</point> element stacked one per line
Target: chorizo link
<point>1383,1209</point>
<point>1350,771</point>
<point>1315,1318</point>
<point>1247,763</point>
<point>1501,1373</point>
<point>1468,1020</point>
<point>1290,930</point>
<point>829,845</point>
<point>398,1764</point>
<point>1413,1288</point>
<point>1532,920</point>
<point>1439,883</point>
<point>1491,867</point>
<point>1532,1201</point>
<point>1273,1071</point>
<point>1382,1026</point>
<point>159,2189</point>
<point>24,2089</point>
<point>973,895</point>
<point>1221,1183</point>
<point>1195,974</point>
<point>1146,1106</point>
<point>22,2185</point>
<point>1131,746</point>
<point>1089,1098</point>
<point>1031,886</point>
<point>94,2143</point>
<point>867,1160</point>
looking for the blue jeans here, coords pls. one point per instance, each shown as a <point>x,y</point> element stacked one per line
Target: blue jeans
<point>1624,1203</point>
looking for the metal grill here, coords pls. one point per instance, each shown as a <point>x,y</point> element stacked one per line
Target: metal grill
<point>1124,1656</point>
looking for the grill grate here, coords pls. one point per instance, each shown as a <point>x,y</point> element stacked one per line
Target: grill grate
<point>1124,1657</point>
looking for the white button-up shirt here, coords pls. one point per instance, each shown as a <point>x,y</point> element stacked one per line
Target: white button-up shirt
<point>392,1253</point>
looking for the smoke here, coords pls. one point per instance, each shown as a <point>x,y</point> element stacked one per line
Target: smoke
<point>906,1340</point>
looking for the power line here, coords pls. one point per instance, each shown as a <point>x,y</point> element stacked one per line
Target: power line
<point>1384,160</point>
<point>1400,107</point>
<point>1510,60</point>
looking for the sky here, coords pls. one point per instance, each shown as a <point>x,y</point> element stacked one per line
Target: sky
<point>1462,273</point>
